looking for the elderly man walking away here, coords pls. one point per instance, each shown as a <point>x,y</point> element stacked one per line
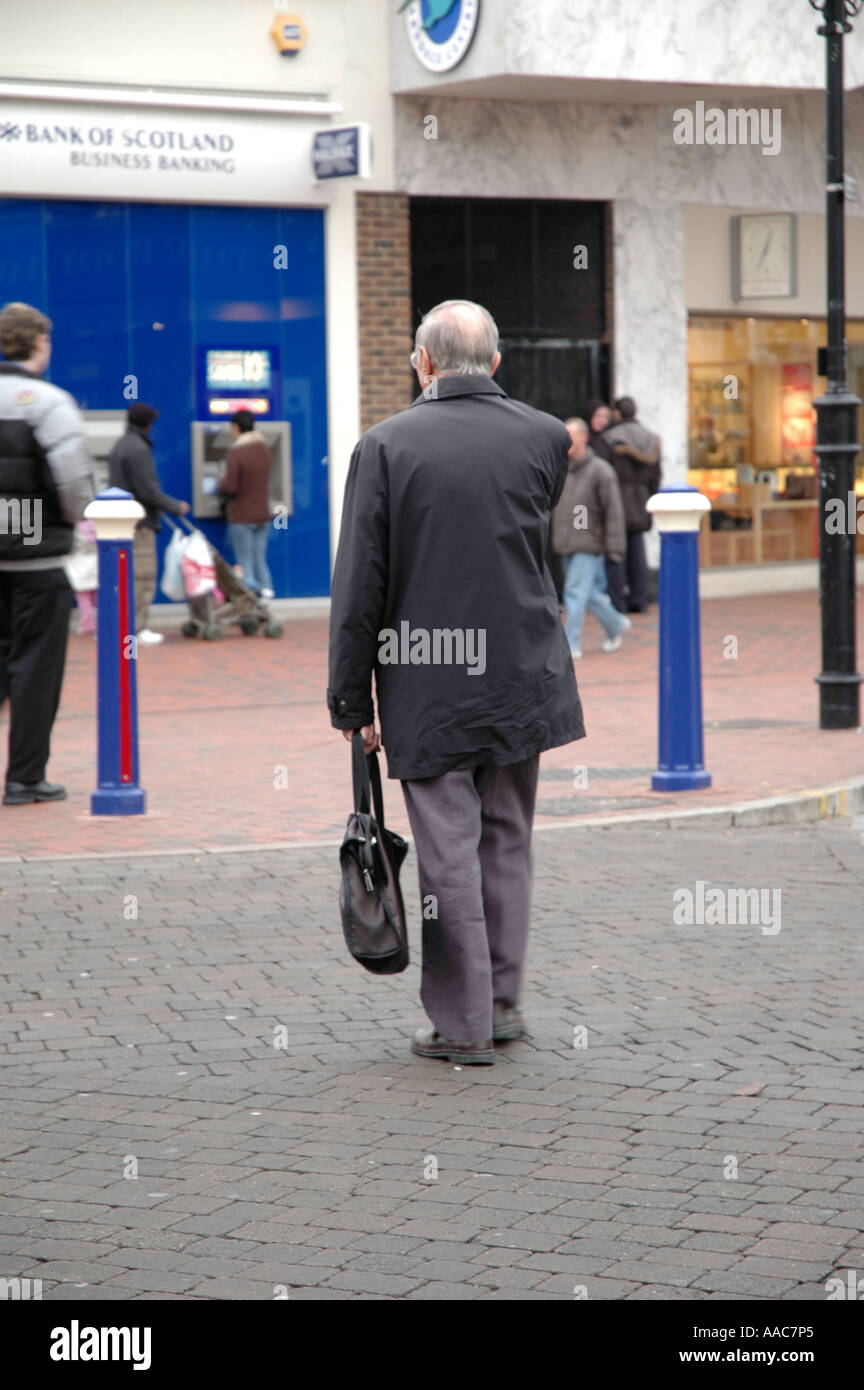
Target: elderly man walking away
<point>441,589</point>
<point>45,484</point>
<point>587,525</point>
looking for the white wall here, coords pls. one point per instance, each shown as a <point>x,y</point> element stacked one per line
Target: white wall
<point>651,323</point>
<point>211,44</point>
<point>720,43</point>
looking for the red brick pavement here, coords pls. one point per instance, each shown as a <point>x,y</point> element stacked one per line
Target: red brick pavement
<point>218,719</point>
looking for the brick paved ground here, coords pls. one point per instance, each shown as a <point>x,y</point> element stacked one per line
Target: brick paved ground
<point>151,1039</point>
<point>217,719</point>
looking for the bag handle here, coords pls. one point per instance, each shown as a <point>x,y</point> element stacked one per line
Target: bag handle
<point>360,769</point>
<point>367,779</point>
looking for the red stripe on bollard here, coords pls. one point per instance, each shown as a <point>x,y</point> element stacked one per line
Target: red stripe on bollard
<point>125,673</point>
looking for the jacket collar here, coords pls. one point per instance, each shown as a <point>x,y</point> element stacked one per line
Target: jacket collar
<point>581,460</point>
<point>16,369</point>
<point>249,437</point>
<point>141,432</point>
<point>467,384</point>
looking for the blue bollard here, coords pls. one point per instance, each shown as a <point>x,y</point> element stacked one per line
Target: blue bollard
<point>678,509</point>
<point>114,513</point>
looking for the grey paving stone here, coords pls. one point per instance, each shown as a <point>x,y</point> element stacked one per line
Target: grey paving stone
<point>397,1285</point>
<point>305,1168</point>
<point>446,1293</point>
<point>154,1281</point>
<point>503,1277</point>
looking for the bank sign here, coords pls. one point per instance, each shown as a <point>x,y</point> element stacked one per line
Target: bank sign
<point>104,146</point>
<point>440,31</point>
<point>54,149</point>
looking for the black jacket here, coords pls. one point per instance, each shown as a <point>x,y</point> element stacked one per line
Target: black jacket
<point>600,446</point>
<point>441,588</point>
<point>131,467</point>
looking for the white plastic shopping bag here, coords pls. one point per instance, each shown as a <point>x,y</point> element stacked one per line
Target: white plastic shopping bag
<point>196,562</point>
<point>172,572</point>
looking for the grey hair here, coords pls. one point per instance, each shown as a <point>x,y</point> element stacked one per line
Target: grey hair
<point>460,337</point>
<point>578,424</point>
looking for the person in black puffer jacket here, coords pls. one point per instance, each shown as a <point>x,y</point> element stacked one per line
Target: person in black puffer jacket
<point>45,484</point>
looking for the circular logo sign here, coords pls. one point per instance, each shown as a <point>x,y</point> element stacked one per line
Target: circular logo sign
<point>440,31</point>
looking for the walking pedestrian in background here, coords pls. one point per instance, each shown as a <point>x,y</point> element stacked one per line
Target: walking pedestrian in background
<point>444,529</point>
<point>246,483</point>
<point>46,476</point>
<point>132,467</point>
<point>588,523</point>
<point>599,420</point>
<point>636,460</point>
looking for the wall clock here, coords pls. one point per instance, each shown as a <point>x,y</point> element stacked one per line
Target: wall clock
<point>764,256</point>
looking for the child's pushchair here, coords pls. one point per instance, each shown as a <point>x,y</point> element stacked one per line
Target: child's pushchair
<point>208,616</point>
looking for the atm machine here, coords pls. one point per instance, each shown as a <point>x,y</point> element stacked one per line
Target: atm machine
<point>102,429</point>
<point>228,380</point>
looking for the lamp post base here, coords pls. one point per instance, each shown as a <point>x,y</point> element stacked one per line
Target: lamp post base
<point>680,780</point>
<point>839,700</point>
<point>118,801</point>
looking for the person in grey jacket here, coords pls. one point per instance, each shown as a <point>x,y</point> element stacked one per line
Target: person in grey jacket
<point>45,484</point>
<point>587,525</point>
<point>441,591</point>
<point>131,467</point>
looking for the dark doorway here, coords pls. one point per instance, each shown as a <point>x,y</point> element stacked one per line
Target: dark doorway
<point>555,374</point>
<point>519,257</point>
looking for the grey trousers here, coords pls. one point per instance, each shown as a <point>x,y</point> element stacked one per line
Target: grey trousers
<point>472,831</point>
<point>144,569</point>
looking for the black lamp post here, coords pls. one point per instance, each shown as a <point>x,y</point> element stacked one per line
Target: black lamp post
<point>837,412</point>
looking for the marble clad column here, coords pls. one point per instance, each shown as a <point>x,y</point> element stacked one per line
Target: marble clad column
<point>650,362</point>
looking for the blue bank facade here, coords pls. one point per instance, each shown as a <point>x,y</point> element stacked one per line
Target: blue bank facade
<point>139,293</point>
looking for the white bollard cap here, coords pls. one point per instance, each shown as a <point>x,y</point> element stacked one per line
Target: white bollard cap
<point>678,507</point>
<point>114,514</point>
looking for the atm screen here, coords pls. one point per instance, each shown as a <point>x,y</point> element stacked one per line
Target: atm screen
<point>228,405</point>
<point>238,369</point>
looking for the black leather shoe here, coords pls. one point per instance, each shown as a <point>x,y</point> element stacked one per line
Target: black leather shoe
<point>507,1023</point>
<point>427,1043</point>
<point>22,793</point>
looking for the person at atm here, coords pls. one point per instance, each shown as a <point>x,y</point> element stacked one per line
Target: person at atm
<point>131,466</point>
<point>246,484</point>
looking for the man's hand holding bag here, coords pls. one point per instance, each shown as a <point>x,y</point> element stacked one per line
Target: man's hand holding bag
<point>370,899</point>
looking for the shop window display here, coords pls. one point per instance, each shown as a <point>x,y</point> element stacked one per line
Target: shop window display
<point>752,431</point>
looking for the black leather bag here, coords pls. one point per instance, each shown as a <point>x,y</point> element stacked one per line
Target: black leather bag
<point>370,899</point>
